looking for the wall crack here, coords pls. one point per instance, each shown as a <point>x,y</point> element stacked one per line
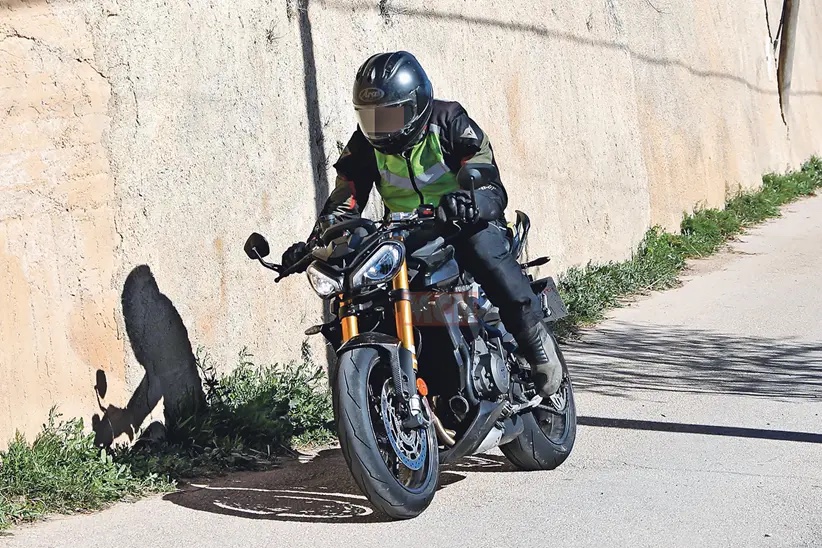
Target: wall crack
<point>771,39</point>
<point>36,41</point>
<point>131,87</point>
<point>95,69</point>
<point>61,54</point>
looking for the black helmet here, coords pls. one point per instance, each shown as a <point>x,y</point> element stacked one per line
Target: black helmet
<point>393,99</point>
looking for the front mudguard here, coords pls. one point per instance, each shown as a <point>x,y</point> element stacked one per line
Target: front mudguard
<point>391,351</point>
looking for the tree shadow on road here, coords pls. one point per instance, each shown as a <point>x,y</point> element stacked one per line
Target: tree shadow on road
<point>703,429</point>
<point>320,490</point>
<point>616,360</point>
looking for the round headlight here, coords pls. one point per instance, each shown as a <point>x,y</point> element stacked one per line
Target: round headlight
<point>321,282</point>
<point>381,266</point>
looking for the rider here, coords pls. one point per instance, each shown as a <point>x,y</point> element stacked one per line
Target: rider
<point>411,146</point>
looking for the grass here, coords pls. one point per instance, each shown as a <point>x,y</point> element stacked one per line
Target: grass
<point>62,471</point>
<point>257,412</point>
<point>591,290</point>
<point>253,414</point>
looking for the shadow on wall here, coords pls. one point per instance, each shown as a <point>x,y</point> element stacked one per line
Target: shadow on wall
<point>156,332</point>
<point>160,343</point>
<point>616,361</point>
<point>316,139</point>
<point>390,11</point>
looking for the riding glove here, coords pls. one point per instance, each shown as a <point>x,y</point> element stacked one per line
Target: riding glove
<point>457,206</point>
<point>294,254</point>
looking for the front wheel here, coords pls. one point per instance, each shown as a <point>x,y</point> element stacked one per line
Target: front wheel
<point>549,431</point>
<point>397,469</point>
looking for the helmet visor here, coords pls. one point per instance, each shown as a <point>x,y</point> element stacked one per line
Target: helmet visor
<point>381,122</point>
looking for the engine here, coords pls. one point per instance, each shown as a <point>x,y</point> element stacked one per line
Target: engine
<point>491,375</point>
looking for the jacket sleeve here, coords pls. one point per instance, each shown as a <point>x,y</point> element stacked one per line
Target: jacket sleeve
<point>356,174</point>
<point>470,144</point>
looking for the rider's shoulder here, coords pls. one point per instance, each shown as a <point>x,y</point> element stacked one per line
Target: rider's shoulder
<point>358,143</point>
<point>446,111</point>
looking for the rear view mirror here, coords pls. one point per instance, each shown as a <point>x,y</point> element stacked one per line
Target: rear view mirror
<point>475,175</point>
<point>256,246</point>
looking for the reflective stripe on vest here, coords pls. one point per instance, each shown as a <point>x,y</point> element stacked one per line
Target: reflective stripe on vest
<point>432,175</point>
<point>422,179</point>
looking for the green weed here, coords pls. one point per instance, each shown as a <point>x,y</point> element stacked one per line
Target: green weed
<point>252,415</point>
<point>62,471</point>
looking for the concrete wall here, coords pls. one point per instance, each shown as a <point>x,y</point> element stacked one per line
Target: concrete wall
<point>142,141</point>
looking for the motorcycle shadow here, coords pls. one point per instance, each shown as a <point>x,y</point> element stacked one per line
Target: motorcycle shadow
<point>319,490</point>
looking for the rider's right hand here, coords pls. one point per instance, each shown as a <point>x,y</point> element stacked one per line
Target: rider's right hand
<point>294,254</point>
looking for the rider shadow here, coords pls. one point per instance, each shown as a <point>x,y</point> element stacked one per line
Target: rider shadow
<point>160,342</point>
<point>320,490</point>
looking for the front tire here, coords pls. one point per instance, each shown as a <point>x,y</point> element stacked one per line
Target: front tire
<point>361,388</point>
<point>547,437</point>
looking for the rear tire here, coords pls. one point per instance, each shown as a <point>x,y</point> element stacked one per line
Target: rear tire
<point>365,443</point>
<point>547,438</point>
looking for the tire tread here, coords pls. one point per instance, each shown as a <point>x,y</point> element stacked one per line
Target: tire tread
<point>364,461</point>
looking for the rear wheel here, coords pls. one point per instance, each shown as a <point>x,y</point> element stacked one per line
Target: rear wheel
<point>549,431</point>
<point>396,468</point>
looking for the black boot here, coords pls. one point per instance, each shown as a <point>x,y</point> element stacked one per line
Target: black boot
<point>537,346</point>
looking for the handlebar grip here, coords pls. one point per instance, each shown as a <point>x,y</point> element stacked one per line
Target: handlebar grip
<point>338,229</point>
<point>293,269</point>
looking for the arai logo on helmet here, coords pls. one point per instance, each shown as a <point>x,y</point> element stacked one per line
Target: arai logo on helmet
<point>371,94</point>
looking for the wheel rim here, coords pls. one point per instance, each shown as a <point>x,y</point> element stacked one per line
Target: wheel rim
<point>406,454</point>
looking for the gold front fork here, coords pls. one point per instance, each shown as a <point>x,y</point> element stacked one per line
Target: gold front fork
<point>350,325</point>
<point>402,312</point>
<point>402,315</point>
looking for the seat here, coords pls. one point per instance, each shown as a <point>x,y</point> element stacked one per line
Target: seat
<point>518,233</point>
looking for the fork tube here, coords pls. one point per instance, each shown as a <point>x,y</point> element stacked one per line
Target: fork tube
<point>402,312</point>
<point>348,320</point>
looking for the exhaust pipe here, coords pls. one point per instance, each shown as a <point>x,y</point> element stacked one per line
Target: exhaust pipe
<point>444,435</point>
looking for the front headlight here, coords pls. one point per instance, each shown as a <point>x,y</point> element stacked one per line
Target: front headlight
<point>381,266</point>
<point>321,282</point>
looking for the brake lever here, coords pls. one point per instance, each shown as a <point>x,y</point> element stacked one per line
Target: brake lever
<point>286,273</point>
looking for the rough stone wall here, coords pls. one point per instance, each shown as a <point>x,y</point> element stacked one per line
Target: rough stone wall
<point>160,133</point>
<point>58,239</point>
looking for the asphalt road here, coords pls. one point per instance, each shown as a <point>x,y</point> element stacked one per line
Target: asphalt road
<point>699,426</point>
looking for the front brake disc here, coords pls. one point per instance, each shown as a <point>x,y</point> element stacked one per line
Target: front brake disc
<point>411,446</point>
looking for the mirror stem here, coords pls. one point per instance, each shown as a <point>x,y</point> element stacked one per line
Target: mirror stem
<point>272,266</point>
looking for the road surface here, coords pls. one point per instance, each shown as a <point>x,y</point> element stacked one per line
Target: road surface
<point>699,426</point>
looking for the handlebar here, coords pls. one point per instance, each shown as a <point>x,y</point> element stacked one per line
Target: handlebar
<point>422,215</point>
<point>293,269</point>
<point>337,229</point>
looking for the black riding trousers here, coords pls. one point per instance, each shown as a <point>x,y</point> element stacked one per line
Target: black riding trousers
<point>484,251</point>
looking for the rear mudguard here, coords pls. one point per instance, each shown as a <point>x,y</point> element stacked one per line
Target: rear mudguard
<point>390,350</point>
<point>552,306</point>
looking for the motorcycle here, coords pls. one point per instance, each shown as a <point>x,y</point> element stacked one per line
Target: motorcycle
<point>426,372</point>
